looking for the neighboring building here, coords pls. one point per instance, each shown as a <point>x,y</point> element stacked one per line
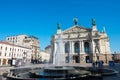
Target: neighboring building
<point>48,49</point>
<point>18,40</point>
<point>82,45</point>
<point>44,56</point>
<point>116,56</point>
<point>27,41</point>
<point>10,51</point>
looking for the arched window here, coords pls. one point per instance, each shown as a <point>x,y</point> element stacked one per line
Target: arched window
<point>86,47</point>
<point>76,48</point>
<point>67,48</point>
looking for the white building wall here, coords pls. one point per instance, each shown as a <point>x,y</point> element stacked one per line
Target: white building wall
<point>8,51</point>
<point>18,40</point>
<point>26,41</point>
<point>45,56</point>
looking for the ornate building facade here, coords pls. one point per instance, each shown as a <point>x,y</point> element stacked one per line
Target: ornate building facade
<point>82,45</point>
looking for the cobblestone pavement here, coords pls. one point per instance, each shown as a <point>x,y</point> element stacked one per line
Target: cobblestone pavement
<point>114,77</point>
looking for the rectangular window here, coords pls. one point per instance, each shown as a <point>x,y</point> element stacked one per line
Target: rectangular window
<point>10,49</point>
<point>6,48</point>
<point>5,54</point>
<point>0,53</point>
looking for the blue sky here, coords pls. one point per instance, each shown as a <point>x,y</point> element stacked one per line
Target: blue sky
<point>40,17</point>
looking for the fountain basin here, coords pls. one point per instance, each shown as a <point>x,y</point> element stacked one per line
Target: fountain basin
<point>60,73</point>
<point>52,73</point>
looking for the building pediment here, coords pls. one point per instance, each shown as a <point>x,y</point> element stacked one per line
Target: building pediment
<point>76,29</point>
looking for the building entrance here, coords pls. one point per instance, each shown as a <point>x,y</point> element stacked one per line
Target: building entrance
<point>87,59</point>
<point>76,59</point>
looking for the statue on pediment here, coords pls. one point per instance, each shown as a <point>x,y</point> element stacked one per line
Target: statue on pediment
<point>75,21</point>
<point>58,25</point>
<point>93,22</point>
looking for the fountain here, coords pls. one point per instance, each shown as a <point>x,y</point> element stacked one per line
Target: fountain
<point>59,52</point>
<point>58,71</point>
<point>50,73</point>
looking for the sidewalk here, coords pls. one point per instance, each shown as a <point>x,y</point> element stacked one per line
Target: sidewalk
<point>114,77</point>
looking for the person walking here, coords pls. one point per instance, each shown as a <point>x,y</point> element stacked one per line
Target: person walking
<point>96,63</point>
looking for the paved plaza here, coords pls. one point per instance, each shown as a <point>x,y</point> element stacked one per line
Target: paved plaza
<point>114,77</point>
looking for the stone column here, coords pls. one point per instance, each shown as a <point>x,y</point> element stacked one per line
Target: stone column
<point>72,47</point>
<point>70,43</point>
<point>63,48</point>
<point>91,47</point>
<point>72,51</point>
<point>63,54</point>
<point>82,55</point>
<point>81,47</point>
<point>99,46</point>
<point>80,50</point>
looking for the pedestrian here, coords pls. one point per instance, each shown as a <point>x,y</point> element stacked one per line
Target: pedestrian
<point>93,64</point>
<point>96,63</point>
<point>102,62</point>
